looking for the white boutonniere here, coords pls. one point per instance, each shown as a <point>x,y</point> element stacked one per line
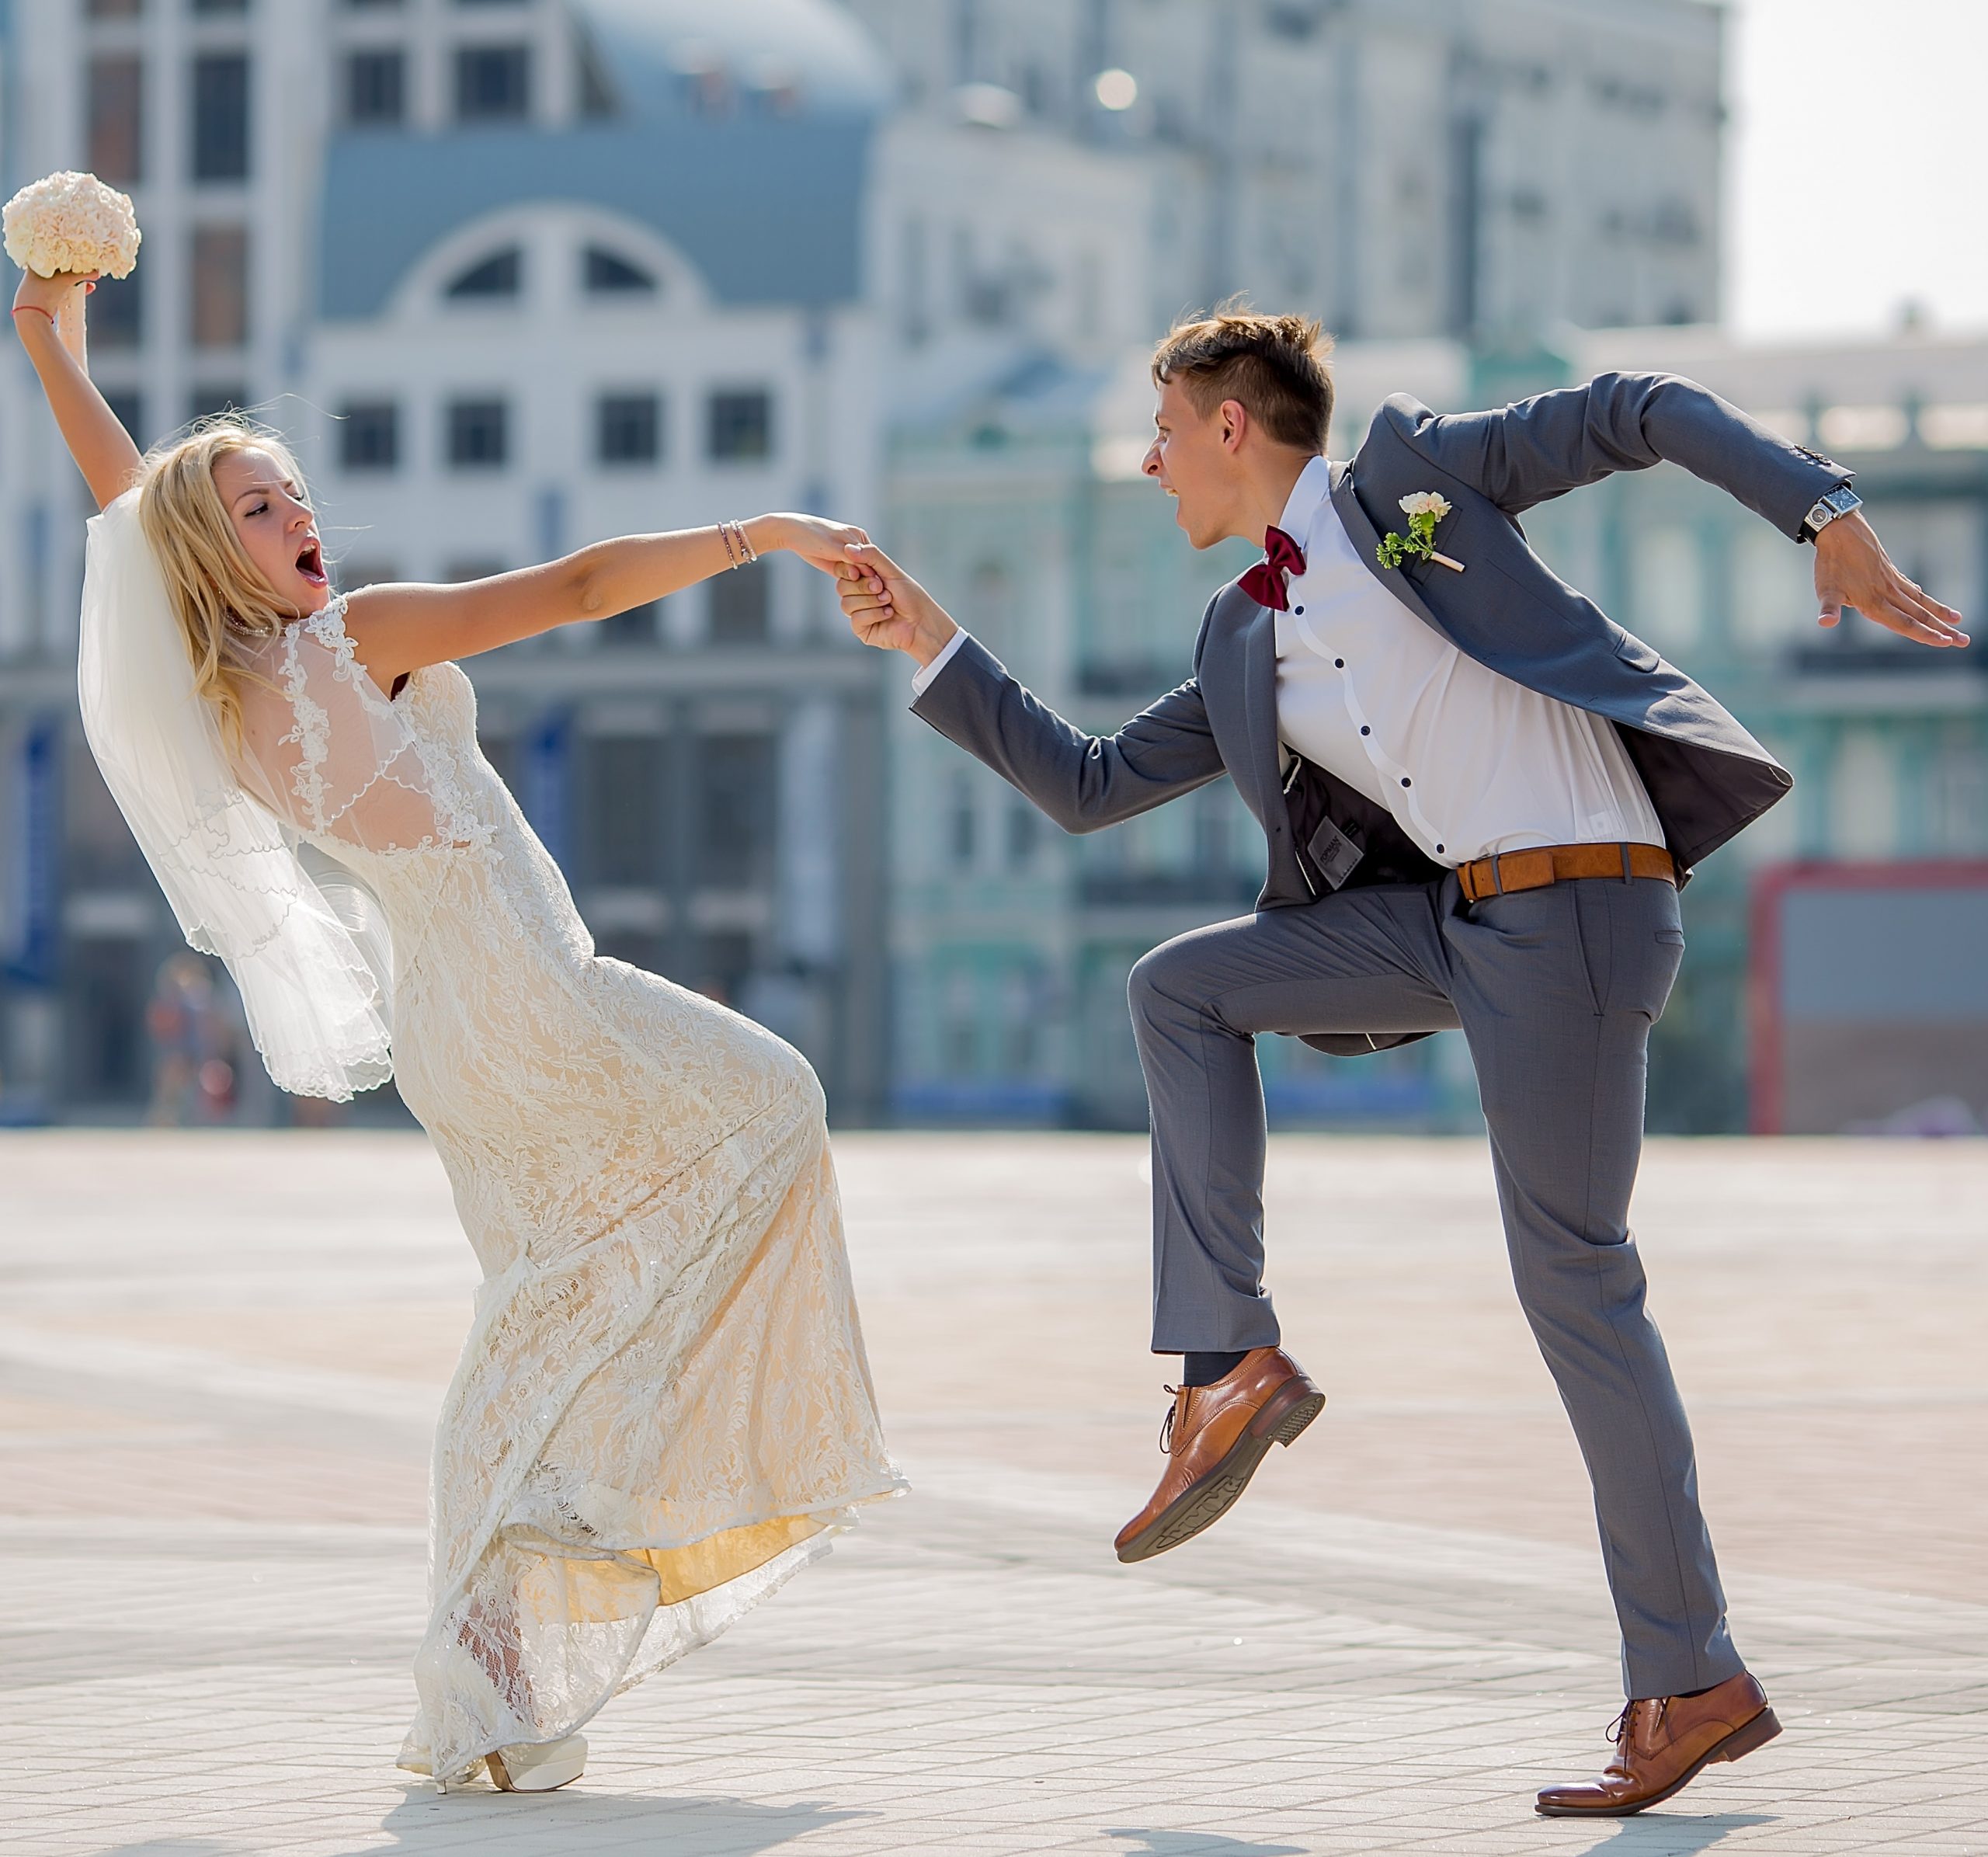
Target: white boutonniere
<point>1423,509</point>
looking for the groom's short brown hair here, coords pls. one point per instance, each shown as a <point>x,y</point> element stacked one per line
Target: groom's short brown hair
<point>1275,366</point>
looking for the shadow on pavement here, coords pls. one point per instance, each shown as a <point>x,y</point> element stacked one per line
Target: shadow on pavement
<point>1648,1835</point>
<point>572,1824</point>
<point>1202,1843</point>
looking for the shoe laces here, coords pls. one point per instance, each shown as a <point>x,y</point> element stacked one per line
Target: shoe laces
<point>1619,1729</point>
<point>1167,1424</point>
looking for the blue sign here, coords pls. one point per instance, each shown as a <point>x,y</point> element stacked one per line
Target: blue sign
<point>30,945</point>
<point>545,788</point>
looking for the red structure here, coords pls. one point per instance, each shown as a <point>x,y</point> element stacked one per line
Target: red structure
<point>1868,998</point>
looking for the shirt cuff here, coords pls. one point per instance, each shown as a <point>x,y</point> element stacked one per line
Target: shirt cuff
<point>921,680</point>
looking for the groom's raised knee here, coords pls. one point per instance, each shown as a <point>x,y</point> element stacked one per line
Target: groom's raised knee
<point>1162,984</point>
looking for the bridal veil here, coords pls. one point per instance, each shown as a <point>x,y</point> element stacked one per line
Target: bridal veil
<point>224,830</point>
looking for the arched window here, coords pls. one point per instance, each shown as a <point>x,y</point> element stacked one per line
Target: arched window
<point>497,275</point>
<point>609,274</point>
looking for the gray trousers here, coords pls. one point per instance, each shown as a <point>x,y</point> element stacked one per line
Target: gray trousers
<point>1555,989</point>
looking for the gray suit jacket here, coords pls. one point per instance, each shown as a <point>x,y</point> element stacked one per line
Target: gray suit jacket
<point>1707,777</point>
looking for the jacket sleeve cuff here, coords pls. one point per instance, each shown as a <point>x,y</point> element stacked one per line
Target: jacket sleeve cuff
<point>921,680</point>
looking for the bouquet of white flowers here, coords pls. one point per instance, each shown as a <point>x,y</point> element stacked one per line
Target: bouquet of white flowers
<point>70,223</point>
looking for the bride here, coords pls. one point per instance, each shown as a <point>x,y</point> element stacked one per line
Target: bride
<point>663,1408</point>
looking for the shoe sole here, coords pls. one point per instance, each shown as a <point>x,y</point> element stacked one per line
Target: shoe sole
<point>1742,1741</point>
<point>546,1778</point>
<point>1282,1419</point>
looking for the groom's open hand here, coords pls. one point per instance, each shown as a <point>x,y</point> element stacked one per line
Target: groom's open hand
<point>887,608</point>
<point>1852,569</point>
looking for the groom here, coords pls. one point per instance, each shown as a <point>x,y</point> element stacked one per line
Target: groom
<point>1480,796</point>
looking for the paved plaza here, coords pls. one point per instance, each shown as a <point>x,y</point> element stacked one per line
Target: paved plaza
<point>220,1356</point>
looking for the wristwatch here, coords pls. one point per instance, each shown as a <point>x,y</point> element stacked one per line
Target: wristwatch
<point>1840,502</point>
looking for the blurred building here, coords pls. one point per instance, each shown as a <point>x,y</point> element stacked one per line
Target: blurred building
<point>1078,172</point>
<point>517,274</point>
<point>516,277</point>
<point>1016,496</point>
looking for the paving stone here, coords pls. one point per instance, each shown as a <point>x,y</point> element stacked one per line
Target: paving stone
<point>220,1356</point>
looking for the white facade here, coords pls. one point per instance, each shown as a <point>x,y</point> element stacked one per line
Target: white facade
<point>517,278</point>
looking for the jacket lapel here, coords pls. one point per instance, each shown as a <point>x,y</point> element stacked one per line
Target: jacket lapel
<point>1366,541</point>
<point>1240,684</point>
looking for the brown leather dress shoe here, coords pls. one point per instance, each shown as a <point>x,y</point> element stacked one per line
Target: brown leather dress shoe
<point>1215,1438</point>
<point>1661,1743</point>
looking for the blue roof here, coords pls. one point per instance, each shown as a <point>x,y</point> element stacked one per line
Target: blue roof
<point>764,197</point>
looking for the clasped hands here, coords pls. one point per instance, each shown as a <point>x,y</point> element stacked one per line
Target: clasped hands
<point>887,608</point>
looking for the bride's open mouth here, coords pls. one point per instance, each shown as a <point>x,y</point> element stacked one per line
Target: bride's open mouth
<point>311,563</point>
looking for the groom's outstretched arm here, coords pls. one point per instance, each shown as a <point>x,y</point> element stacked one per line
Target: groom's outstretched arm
<point>1081,780</point>
<point>1521,455</point>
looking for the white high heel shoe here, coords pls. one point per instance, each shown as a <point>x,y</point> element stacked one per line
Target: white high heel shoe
<point>526,1767</point>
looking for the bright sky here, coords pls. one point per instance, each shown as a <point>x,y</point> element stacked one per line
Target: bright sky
<point>1857,166</point>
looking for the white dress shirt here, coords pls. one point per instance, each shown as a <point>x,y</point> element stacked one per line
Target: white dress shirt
<point>1468,762</point>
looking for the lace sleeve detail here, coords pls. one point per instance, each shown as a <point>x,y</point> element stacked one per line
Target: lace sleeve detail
<point>337,759</point>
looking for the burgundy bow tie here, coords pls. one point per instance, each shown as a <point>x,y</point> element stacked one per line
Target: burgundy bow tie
<point>1264,582</point>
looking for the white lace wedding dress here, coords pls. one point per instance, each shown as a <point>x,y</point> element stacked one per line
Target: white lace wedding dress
<point>663,1409</point>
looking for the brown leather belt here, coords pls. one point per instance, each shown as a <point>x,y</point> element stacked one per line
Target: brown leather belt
<point>1555,863</point>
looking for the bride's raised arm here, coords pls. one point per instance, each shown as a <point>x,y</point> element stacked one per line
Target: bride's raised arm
<point>398,629</point>
<point>48,317</point>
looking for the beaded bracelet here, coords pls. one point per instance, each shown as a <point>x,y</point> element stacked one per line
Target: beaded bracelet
<point>744,555</point>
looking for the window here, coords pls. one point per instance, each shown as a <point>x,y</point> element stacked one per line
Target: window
<point>1024,824</point>
<point>479,438</point>
<point>597,100</point>
<point>623,785</point>
<point>739,601</point>
<point>116,314</point>
<point>221,287</point>
<point>221,116</point>
<point>221,6</point>
<point>639,625</point>
<point>370,435</point>
<point>742,426</point>
<point>209,402</point>
<point>961,837</point>
<point>130,408</point>
<point>493,83</point>
<point>737,784</point>
<point>496,276</point>
<point>376,87</point>
<point>117,120</point>
<point>116,9</point>
<point>628,428</point>
<point>607,274</point>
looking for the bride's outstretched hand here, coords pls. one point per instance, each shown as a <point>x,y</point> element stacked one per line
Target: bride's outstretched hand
<point>815,539</point>
<point>887,608</point>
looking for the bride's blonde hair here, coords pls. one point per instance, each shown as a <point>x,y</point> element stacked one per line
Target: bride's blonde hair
<point>223,604</point>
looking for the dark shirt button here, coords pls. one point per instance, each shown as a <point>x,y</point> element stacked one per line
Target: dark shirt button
<point>1339,664</point>
<point>1439,850</point>
<point>1299,610</point>
<point>1405,781</point>
<point>1364,729</point>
